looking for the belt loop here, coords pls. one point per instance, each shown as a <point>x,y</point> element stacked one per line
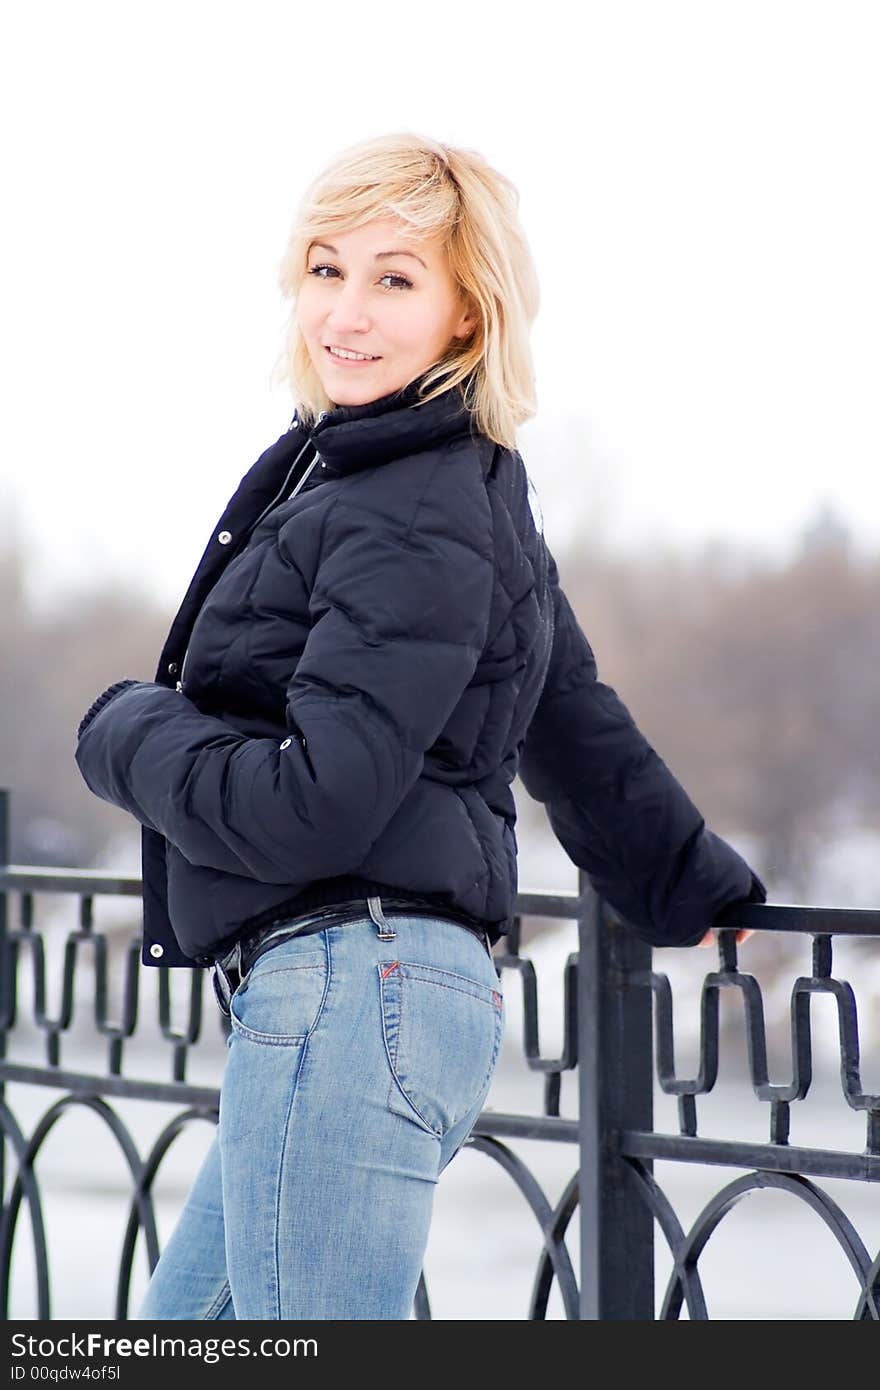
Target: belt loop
<point>385,930</point>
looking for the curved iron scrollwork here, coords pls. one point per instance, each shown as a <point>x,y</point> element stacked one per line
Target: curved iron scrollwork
<point>618,1042</point>
<point>684,1286</point>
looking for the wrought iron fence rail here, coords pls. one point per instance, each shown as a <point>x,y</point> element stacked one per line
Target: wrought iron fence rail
<point>131,1088</point>
<point>793,917</point>
<point>736,1153</point>
<point>23,878</point>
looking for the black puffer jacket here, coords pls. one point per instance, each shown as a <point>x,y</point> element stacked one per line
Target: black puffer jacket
<point>375,643</point>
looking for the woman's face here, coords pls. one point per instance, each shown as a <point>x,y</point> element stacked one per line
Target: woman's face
<point>375,290</point>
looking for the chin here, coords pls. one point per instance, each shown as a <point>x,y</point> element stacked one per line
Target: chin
<point>352,396</point>
<point>361,392</point>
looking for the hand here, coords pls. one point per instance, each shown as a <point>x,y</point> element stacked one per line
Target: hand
<point>758,894</point>
<point>712,935</point>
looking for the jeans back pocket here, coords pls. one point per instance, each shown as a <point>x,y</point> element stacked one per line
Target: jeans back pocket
<point>442,1034</point>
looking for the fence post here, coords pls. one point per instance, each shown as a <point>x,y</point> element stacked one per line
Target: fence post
<point>615,1074</point>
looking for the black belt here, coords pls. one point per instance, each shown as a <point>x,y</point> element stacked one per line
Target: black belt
<point>231,969</point>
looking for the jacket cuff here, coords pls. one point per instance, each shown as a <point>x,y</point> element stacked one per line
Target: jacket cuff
<point>102,700</point>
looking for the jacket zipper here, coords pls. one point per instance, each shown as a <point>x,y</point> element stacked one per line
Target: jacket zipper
<point>265,512</point>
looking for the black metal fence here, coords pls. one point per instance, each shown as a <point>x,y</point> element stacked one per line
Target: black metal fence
<point>618,1036</point>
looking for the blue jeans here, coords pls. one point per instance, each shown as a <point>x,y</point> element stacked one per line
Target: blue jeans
<point>359,1059</point>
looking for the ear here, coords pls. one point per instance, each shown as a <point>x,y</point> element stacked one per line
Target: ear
<point>466,325</point>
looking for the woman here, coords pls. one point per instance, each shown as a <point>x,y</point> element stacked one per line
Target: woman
<point>375,643</point>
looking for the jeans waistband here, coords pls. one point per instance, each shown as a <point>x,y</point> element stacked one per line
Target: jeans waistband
<point>231,969</point>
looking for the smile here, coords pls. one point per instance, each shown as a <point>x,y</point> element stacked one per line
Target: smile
<point>346,355</point>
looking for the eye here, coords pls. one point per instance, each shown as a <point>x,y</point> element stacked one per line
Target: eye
<point>404,283</point>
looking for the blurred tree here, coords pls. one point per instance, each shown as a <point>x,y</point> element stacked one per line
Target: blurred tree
<point>757,684</point>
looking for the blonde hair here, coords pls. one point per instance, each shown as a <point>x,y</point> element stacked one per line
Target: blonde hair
<point>437,190</point>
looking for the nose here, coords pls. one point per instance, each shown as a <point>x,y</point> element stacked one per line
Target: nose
<point>348,314</point>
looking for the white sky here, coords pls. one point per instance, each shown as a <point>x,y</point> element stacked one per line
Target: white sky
<point>699,185</point>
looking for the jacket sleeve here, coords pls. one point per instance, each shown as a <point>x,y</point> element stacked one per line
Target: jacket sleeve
<point>400,613</point>
<point>615,807</point>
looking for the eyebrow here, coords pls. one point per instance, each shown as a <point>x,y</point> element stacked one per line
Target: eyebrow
<point>380,255</point>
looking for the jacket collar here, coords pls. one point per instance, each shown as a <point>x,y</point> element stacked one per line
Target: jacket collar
<point>351,437</point>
